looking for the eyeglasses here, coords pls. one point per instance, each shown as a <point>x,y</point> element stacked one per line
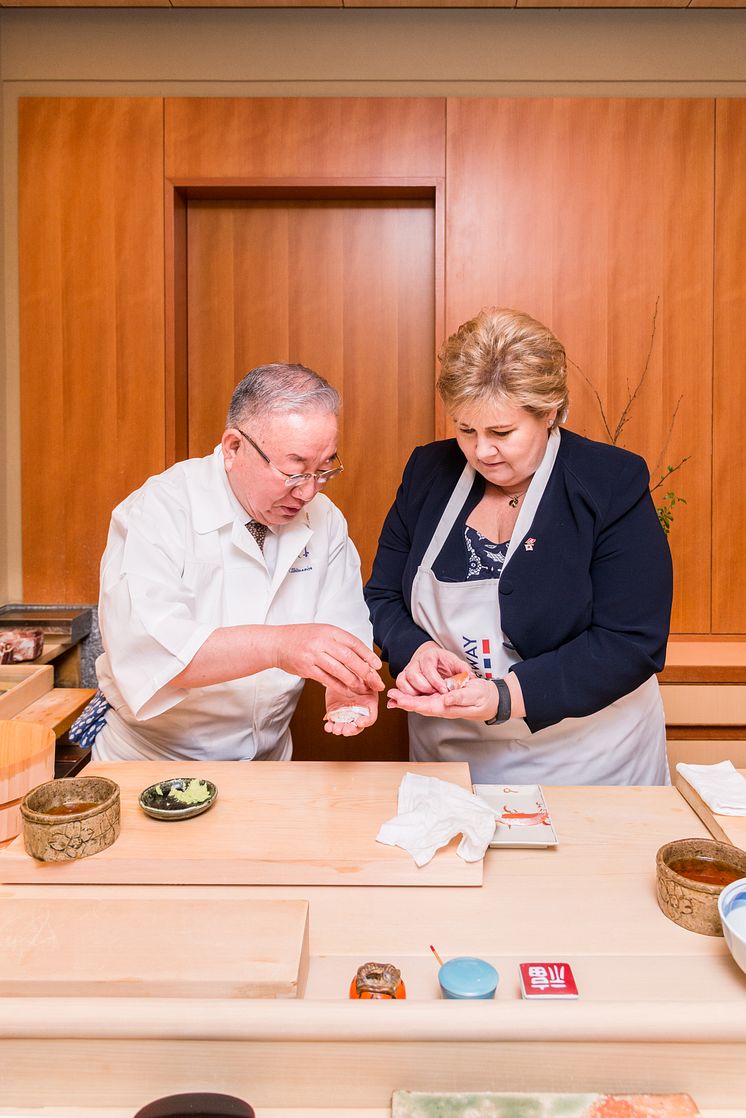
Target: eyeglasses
<point>292,481</point>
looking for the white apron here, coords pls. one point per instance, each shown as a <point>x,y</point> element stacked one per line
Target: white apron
<point>625,743</point>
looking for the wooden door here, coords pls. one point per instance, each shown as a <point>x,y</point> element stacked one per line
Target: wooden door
<point>347,288</point>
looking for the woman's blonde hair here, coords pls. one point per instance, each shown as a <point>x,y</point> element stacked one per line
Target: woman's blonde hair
<point>507,354</point>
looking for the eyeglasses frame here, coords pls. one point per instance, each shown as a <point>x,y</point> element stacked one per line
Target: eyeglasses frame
<point>293,481</point>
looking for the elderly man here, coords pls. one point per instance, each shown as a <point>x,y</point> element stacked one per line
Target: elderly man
<point>227,581</point>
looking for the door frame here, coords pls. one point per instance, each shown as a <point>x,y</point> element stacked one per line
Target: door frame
<point>178,192</point>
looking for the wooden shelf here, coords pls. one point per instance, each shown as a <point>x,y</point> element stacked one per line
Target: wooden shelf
<point>705,659</point>
<point>58,708</point>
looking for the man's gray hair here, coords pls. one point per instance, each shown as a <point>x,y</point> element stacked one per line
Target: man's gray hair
<point>281,388</point>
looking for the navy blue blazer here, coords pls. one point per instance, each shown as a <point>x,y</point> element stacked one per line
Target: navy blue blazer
<point>587,608</point>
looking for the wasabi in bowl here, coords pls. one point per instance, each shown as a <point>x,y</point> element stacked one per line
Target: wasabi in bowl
<point>179,797</point>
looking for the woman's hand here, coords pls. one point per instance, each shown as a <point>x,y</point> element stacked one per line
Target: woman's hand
<point>477,699</point>
<point>427,671</point>
<point>337,697</point>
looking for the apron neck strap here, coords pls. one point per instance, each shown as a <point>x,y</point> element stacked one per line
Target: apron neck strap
<point>451,511</point>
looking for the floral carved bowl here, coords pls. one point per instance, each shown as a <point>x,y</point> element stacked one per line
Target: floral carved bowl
<point>693,904</point>
<point>72,818</point>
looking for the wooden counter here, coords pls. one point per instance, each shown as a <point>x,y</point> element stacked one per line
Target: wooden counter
<point>661,1009</point>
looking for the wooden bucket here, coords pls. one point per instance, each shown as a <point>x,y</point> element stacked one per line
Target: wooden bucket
<point>26,759</point>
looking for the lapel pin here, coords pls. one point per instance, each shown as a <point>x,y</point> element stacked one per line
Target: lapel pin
<point>529,544</point>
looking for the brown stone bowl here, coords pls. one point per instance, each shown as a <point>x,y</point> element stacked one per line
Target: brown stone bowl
<point>694,904</point>
<point>89,824</point>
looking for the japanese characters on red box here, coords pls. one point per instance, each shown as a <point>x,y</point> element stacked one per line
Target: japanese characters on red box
<point>548,980</point>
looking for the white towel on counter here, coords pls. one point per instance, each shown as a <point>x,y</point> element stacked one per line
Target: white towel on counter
<point>431,812</point>
<point>721,786</point>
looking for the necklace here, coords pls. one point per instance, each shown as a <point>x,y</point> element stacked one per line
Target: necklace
<point>514,500</point>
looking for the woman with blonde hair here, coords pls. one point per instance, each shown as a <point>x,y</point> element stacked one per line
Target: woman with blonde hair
<point>522,588</point>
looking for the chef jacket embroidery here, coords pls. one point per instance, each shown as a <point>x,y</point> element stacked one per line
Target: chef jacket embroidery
<point>299,570</point>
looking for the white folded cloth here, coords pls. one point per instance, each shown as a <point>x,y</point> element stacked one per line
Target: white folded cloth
<point>431,813</point>
<point>721,786</point>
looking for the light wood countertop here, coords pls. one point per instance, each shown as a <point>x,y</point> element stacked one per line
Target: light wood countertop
<point>660,1008</point>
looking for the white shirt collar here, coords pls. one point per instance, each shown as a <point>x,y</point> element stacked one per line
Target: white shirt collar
<point>214,504</point>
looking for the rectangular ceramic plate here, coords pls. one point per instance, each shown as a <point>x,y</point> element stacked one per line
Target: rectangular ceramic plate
<point>521,815</point>
<point>414,1104</point>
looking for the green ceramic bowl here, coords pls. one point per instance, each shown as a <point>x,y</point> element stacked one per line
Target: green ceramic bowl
<point>180,797</point>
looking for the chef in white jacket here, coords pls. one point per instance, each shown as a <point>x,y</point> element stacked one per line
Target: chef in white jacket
<point>227,581</point>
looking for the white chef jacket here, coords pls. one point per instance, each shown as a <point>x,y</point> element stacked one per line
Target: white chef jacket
<point>180,563</point>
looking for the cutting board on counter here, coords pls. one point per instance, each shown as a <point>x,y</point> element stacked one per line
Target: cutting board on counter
<point>153,946</point>
<point>724,828</point>
<point>273,823</point>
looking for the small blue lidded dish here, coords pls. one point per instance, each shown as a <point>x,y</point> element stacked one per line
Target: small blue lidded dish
<point>465,977</point>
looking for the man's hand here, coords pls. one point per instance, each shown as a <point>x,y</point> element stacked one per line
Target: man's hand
<point>477,699</point>
<point>336,697</point>
<point>427,671</point>
<point>330,655</point>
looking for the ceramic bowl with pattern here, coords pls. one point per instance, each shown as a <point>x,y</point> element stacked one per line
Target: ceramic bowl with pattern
<point>690,876</point>
<point>70,818</point>
<point>179,797</point>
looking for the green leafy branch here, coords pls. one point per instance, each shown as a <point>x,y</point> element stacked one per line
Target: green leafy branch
<point>665,509</point>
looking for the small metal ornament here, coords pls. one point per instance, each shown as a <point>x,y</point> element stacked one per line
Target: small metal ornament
<point>377,980</point>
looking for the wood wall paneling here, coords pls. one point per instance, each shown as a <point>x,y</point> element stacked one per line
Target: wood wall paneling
<point>585,212</point>
<point>306,137</point>
<point>729,496</point>
<point>91,322</point>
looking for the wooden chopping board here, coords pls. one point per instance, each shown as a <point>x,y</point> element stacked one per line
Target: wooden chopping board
<point>273,823</point>
<point>153,947</point>
<point>725,828</point>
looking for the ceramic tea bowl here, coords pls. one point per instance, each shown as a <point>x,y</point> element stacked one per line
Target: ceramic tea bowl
<point>71,818</point>
<point>691,903</point>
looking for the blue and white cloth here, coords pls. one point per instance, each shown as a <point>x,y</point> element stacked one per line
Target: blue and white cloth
<point>90,722</point>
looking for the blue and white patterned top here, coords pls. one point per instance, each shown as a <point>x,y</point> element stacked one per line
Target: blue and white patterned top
<point>486,558</point>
